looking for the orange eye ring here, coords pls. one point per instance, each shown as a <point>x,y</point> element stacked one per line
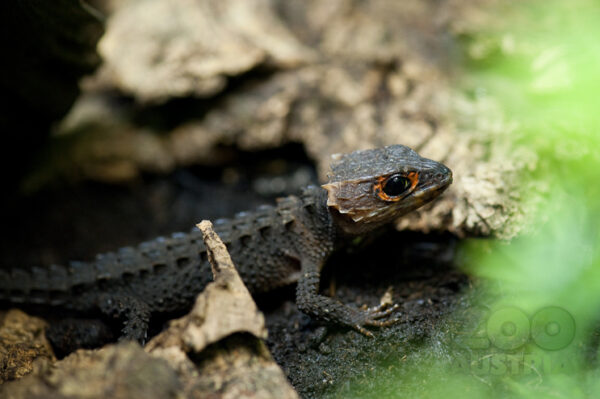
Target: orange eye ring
<point>379,187</point>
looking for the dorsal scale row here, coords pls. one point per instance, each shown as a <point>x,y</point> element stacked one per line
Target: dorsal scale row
<point>162,252</point>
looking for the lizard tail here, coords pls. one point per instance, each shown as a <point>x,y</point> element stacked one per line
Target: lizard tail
<point>52,285</point>
<point>61,285</point>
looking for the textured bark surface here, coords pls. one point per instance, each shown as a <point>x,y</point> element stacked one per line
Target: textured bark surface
<point>116,371</point>
<point>23,346</point>
<point>335,76</point>
<point>187,47</point>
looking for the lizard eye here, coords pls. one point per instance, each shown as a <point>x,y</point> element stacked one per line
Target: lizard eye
<point>396,185</point>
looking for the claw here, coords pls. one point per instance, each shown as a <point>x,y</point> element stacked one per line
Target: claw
<point>381,311</point>
<point>363,331</point>
<point>381,323</point>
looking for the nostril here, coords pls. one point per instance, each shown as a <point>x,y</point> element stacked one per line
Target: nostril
<point>445,175</point>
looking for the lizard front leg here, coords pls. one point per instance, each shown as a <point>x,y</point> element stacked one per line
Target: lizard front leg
<point>331,310</point>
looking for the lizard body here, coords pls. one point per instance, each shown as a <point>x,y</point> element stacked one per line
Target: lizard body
<point>271,247</point>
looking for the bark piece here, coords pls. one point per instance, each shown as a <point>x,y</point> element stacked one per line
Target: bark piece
<point>188,47</point>
<point>23,345</point>
<point>365,88</point>
<point>225,307</point>
<point>116,371</point>
<point>217,347</point>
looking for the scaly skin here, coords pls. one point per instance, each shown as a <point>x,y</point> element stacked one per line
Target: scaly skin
<point>271,247</point>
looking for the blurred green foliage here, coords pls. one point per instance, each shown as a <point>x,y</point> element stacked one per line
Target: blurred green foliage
<point>540,61</point>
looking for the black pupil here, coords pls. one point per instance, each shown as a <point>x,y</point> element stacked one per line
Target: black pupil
<point>396,185</point>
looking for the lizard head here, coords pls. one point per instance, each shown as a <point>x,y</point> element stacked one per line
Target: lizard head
<point>370,188</point>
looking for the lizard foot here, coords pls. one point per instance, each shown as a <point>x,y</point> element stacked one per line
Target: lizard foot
<point>372,317</point>
<point>331,310</point>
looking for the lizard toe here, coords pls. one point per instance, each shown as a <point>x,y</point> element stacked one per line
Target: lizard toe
<point>382,323</point>
<point>382,311</point>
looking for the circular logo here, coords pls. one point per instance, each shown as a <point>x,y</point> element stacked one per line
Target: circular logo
<point>508,328</point>
<point>552,328</point>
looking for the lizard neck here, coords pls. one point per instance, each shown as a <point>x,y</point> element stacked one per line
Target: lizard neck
<point>317,214</point>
